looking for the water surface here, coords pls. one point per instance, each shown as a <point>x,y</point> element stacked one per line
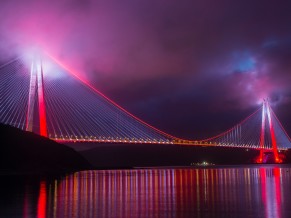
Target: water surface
<point>237,191</point>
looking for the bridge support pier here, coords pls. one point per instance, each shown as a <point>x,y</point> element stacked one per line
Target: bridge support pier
<point>266,114</point>
<point>36,90</point>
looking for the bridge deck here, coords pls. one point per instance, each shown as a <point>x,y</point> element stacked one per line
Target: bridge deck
<point>184,143</point>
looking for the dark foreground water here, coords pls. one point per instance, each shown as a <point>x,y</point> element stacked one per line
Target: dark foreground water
<point>248,191</point>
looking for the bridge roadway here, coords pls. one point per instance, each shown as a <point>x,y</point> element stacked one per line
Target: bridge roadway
<point>168,142</point>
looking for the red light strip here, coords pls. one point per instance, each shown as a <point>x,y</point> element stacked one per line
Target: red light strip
<point>41,103</point>
<point>273,137</point>
<point>262,136</point>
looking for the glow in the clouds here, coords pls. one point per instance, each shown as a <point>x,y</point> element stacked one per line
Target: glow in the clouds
<point>179,53</point>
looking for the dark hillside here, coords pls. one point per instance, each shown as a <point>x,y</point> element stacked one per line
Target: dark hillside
<point>23,151</point>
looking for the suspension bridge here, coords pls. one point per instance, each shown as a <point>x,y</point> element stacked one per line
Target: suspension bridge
<point>41,95</point>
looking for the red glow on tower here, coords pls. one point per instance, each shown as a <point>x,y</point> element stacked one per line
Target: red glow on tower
<point>41,103</point>
<point>36,90</point>
<point>267,114</point>
<point>262,137</point>
<point>273,137</point>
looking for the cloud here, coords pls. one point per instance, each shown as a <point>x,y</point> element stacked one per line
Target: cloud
<point>223,55</point>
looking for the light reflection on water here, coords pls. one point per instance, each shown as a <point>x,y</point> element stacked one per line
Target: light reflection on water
<point>212,192</point>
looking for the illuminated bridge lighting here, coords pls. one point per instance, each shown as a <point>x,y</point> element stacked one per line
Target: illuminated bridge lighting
<point>49,99</point>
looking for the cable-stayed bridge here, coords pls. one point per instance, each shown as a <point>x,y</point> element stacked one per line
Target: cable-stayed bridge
<point>41,95</point>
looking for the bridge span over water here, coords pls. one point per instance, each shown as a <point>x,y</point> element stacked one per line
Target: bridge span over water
<point>43,96</point>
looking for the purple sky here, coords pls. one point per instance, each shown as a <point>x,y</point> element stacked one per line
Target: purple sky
<point>190,68</point>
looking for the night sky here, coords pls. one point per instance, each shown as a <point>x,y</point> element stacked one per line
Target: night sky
<point>191,68</point>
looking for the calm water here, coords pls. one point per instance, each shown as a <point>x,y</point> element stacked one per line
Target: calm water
<point>249,191</point>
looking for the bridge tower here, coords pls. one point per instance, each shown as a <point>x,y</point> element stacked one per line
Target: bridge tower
<point>267,121</point>
<point>36,98</point>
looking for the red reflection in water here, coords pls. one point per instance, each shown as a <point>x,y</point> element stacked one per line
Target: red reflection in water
<point>271,191</point>
<point>41,204</point>
<point>164,193</point>
<point>217,192</point>
<point>277,192</point>
<point>277,175</point>
<point>26,205</point>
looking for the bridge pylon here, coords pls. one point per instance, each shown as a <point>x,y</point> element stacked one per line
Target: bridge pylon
<point>267,123</point>
<point>36,98</point>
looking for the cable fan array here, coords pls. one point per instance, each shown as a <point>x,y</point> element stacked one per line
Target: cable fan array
<point>14,85</point>
<point>282,138</point>
<point>248,133</point>
<point>75,112</point>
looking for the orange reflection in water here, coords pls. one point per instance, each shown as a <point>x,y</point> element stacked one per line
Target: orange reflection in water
<point>120,193</point>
